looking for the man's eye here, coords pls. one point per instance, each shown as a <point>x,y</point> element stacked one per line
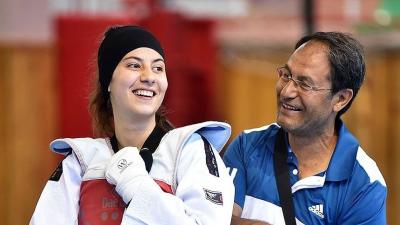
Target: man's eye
<point>304,85</point>
<point>286,76</point>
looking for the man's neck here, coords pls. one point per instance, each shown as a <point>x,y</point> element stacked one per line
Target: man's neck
<point>313,152</point>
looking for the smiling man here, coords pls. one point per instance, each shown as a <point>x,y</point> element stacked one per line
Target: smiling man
<point>331,178</point>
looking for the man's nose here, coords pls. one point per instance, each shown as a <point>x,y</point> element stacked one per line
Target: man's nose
<point>290,89</point>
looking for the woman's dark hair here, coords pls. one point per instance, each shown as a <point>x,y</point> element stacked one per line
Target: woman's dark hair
<point>346,58</point>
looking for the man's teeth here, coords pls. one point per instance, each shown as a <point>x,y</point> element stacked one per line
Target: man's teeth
<point>143,93</point>
<point>290,107</point>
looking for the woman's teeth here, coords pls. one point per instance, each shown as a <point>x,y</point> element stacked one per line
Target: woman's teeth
<point>144,93</point>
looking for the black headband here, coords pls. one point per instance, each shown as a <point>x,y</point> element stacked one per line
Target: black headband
<point>117,42</point>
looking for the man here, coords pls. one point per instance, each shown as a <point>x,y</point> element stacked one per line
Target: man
<point>332,179</point>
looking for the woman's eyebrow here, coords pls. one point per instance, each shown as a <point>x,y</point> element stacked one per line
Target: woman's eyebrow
<point>158,60</point>
<point>141,60</point>
<point>133,57</point>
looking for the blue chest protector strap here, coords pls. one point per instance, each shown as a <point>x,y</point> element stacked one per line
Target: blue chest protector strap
<point>282,178</point>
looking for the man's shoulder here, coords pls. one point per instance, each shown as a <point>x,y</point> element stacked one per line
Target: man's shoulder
<point>263,132</point>
<point>253,140</point>
<point>367,166</point>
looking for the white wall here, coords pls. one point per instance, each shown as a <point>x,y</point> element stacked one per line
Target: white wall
<point>31,21</point>
<point>26,21</point>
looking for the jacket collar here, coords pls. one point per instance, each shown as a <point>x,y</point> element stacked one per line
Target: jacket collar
<point>343,158</point>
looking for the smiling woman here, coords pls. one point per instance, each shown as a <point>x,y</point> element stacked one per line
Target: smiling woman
<point>144,171</point>
<point>137,88</point>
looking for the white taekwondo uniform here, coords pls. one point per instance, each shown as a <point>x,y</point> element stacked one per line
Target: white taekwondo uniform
<point>189,183</point>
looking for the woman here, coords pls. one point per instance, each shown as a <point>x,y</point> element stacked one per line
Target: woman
<point>146,172</point>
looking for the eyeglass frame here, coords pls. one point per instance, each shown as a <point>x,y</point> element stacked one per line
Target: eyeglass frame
<point>303,85</point>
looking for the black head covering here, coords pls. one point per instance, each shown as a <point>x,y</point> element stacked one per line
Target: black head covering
<point>117,42</point>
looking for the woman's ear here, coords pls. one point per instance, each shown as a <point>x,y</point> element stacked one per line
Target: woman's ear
<point>109,89</point>
<point>343,98</point>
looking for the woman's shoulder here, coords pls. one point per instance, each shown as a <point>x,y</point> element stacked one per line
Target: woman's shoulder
<point>83,148</point>
<point>216,133</point>
<point>64,146</point>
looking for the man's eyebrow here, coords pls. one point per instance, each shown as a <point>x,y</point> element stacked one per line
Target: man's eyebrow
<point>287,67</point>
<point>300,77</point>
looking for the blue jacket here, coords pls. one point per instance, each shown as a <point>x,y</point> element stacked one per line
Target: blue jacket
<point>351,191</point>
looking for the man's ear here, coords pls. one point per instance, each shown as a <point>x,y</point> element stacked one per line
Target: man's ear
<point>342,98</point>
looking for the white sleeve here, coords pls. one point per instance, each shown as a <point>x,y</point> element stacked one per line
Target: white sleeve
<point>200,198</point>
<point>58,203</point>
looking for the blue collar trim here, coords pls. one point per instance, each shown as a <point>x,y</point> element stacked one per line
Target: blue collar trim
<point>343,158</point>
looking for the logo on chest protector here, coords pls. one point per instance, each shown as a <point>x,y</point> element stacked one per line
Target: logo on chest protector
<point>213,196</point>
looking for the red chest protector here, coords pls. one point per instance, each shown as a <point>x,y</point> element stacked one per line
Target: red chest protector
<point>99,204</point>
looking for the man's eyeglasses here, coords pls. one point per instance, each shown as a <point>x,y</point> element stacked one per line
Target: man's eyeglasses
<point>285,76</point>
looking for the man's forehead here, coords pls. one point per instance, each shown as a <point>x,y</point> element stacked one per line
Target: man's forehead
<point>310,53</point>
<point>310,58</point>
<point>314,46</point>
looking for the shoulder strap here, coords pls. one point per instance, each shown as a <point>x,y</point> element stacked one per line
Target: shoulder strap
<point>282,178</point>
<point>149,146</point>
<point>210,157</point>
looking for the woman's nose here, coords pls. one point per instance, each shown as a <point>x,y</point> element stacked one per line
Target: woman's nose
<point>147,76</point>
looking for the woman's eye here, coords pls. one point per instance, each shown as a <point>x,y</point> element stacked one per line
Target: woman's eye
<point>159,68</point>
<point>134,65</point>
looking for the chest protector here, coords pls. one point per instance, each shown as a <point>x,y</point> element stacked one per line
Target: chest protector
<point>99,204</point>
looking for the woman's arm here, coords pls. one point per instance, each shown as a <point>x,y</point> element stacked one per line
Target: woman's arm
<point>236,220</point>
<point>58,203</point>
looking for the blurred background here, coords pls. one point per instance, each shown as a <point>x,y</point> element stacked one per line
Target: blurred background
<point>221,61</point>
